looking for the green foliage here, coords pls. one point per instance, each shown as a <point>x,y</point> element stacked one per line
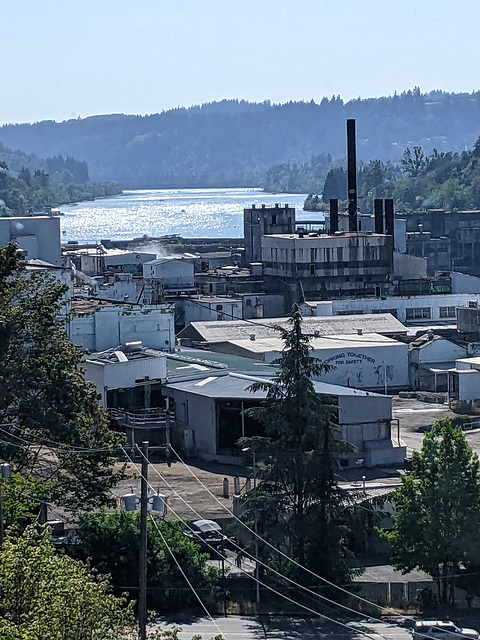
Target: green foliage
<point>21,500</point>
<point>233,143</point>
<point>415,163</point>
<point>298,503</point>
<point>43,396</point>
<point>45,183</point>
<point>111,542</point>
<point>437,508</point>
<point>298,178</point>
<point>335,184</point>
<point>44,594</point>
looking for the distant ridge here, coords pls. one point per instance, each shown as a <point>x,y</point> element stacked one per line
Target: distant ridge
<point>233,143</point>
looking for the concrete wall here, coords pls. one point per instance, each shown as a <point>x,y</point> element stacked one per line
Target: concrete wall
<point>398,305</point>
<point>38,236</point>
<point>109,327</point>
<point>194,414</point>
<point>129,258</point>
<point>205,310</point>
<point>438,350</point>
<point>409,267</point>
<point>363,367</point>
<point>174,272</point>
<point>119,375</point>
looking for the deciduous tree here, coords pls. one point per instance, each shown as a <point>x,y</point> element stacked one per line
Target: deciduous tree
<point>44,594</point>
<point>437,508</point>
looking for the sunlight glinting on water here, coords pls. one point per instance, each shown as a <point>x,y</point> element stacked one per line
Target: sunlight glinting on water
<point>190,213</point>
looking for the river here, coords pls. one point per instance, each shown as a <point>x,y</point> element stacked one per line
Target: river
<point>191,213</point>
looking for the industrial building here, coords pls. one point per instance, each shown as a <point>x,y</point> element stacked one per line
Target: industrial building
<point>97,325</point>
<point>210,418</point>
<point>38,237</point>
<point>440,308</point>
<point>366,361</point>
<point>216,334</point>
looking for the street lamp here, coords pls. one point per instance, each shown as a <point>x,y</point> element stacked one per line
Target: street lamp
<point>255,527</point>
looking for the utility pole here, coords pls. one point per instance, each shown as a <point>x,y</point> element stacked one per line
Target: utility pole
<point>142,563</point>
<point>5,473</point>
<point>255,527</point>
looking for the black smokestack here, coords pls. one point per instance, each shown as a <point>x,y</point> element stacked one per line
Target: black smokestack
<point>333,216</point>
<point>389,218</point>
<point>352,176</point>
<point>378,208</point>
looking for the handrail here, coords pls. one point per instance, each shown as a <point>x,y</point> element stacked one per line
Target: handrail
<point>142,416</point>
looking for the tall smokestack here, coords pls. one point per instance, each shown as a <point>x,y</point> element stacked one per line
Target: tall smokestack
<point>352,176</point>
<point>333,216</point>
<point>389,219</point>
<point>378,208</point>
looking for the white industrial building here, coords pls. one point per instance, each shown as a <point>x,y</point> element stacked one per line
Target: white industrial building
<point>464,382</point>
<point>175,272</point>
<point>98,326</point>
<point>126,367</point>
<point>430,359</point>
<point>217,333</point>
<point>210,418</point>
<point>369,361</point>
<point>37,236</point>
<point>438,308</point>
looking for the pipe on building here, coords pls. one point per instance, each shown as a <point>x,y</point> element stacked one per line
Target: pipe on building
<point>333,216</point>
<point>378,209</point>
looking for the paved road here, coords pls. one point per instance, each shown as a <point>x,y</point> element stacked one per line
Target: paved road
<point>288,628</point>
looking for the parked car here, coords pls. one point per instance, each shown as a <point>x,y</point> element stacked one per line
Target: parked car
<point>441,630</point>
<point>206,533</point>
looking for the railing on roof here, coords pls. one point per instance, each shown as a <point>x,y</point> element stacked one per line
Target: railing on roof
<point>142,417</point>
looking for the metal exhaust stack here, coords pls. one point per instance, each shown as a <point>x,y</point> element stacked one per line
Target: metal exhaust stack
<point>389,219</point>
<point>378,208</point>
<point>333,216</point>
<point>352,176</point>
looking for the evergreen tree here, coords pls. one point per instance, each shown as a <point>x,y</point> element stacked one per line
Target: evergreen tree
<point>335,184</point>
<point>437,509</point>
<point>299,505</point>
<point>43,396</point>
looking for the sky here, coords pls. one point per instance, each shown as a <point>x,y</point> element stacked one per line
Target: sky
<point>62,59</point>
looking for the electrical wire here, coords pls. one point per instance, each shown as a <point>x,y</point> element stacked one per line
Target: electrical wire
<point>260,562</point>
<point>185,576</point>
<point>272,589</point>
<point>315,575</point>
<point>44,441</point>
<point>373,604</point>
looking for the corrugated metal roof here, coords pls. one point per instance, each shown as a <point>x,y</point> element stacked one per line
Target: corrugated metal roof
<point>222,331</point>
<point>234,385</point>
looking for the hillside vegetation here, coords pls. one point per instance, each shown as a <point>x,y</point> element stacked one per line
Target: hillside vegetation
<point>29,183</point>
<point>234,143</point>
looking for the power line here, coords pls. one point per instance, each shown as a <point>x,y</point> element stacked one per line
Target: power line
<point>263,564</point>
<point>310,610</point>
<point>315,575</point>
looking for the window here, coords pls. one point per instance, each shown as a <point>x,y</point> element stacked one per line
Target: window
<point>447,312</point>
<point>418,313</point>
<point>312,269</point>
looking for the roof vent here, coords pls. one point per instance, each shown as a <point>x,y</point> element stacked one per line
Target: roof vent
<point>360,332</point>
<point>132,347</point>
<point>252,336</point>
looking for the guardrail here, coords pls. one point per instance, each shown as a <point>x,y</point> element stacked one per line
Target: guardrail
<point>142,417</point>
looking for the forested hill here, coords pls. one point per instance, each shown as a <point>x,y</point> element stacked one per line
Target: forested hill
<point>233,143</point>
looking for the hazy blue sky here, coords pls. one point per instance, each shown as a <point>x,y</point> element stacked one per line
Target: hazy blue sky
<point>65,58</point>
